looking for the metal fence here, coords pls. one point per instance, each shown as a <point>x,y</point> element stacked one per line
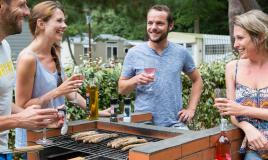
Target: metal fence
<point>216,48</point>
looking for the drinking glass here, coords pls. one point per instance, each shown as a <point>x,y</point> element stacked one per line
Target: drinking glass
<point>44,140</point>
<point>76,71</point>
<point>220,93</point>
<point>150,70</point>
<point>64,128</point>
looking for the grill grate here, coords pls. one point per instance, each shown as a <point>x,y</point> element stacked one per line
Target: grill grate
<point>98,151</point>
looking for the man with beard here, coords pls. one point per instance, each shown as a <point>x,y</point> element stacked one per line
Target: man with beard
<point>161,93</point>
<point>12,13</point>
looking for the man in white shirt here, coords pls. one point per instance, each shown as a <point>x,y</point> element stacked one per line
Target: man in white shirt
<point>12,13</point>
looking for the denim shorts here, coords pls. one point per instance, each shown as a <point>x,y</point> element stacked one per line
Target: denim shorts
<point>8,156</point>
<point>251,155</point>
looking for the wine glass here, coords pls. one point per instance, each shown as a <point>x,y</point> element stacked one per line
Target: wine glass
<point>150,70</point>
<point>220,93</point>
<point>77,72</point>
<point>44,140</point>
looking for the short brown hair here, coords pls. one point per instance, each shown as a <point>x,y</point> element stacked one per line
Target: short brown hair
<point>165,9</point>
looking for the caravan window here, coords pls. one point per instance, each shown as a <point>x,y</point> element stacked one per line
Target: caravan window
<point>86,51</point>
<point>217,49</point>
<point>189,47</point>
<point>111,49</point>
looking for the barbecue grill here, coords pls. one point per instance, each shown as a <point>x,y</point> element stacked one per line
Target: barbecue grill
<point>167,143</point>
<point>67,148</point>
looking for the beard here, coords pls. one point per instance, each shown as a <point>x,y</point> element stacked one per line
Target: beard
<point>12,23</point>
<point>158,39</point>
<point>14,28</point>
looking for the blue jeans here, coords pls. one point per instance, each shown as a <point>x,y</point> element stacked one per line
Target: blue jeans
<point>251,155</point>
<point>8,156</point>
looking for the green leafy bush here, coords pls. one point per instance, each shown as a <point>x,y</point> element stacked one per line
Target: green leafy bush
<point>206,115</point>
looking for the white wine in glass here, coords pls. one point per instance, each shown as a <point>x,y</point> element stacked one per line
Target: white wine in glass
<point>44,140</point>
<point>76,71</point>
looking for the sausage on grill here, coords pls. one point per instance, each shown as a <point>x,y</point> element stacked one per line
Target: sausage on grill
<point>82,134</point>
<point>82,137</point>
<point>118,140</point>
<point>104,137</point>
<point>91,137</point>
<point>132,141</point>
<point>118,143</point>
<point>132,146</point>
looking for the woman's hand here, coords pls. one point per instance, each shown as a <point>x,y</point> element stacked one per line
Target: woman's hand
<point>256,139</point>
<point>72,84</point>
<point>229,107</point>
<point>105,113</point>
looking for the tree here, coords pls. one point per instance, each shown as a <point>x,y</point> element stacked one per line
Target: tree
<point>237,7</point>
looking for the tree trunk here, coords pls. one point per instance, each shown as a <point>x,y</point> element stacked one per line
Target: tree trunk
<point>250,4</point>
<point>237,7</point>
<point>70,50</point>
<point>197,25</point>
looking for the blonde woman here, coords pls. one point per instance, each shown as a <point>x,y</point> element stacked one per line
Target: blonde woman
<point>247,82</point>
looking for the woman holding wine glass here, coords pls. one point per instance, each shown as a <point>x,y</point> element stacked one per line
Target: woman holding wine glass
<point>247,101</point>
<point>40,76</point>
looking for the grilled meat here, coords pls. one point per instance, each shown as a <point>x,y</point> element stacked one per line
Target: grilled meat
<point>118,141</point>
<point>104,137</point>
<point>132,146</point>
<point>79,135</point>
<point>131,141</point>
<point>91,137</point>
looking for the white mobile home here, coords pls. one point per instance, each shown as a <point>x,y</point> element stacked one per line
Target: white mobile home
<point>204,48</point>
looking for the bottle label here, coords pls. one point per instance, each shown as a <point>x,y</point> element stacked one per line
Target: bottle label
<point>87,103</point>
<point>126,119</point>
<point>112,109</point>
